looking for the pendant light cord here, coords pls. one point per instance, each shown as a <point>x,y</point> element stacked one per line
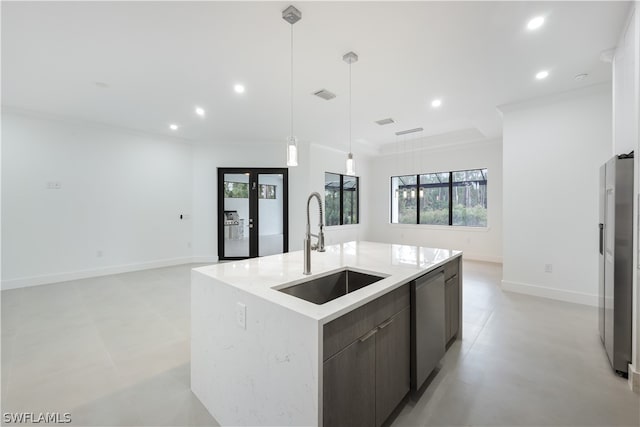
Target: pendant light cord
<point>292,80</point>
<point>349,107</point>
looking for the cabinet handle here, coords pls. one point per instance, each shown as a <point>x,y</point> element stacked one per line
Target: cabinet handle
<point>450,278</point>
<point>369,335</point>
<point>385,324</point>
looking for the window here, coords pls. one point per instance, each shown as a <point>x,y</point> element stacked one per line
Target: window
<point>240,190</point>
<point>441,198</point>
<point>267,191</point>
<point>434,198</point>
<point>341,199</point>
<point>403,189</point>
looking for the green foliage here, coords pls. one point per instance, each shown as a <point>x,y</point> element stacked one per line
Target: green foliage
<point>237,190</point>
<point>332,206</point>
<point>474,216</point>
<point>435,217</point>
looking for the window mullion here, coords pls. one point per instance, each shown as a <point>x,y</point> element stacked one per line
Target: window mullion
<point>341,199</point>
<point>450,198</point>
<point>418,199</point>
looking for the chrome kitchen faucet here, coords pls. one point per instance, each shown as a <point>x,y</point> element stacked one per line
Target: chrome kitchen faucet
<point>307,237</point>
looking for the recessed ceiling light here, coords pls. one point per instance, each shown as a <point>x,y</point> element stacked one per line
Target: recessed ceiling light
<point>239,88</point>
<point>436,103</point>
<point>535,23</point>
<point>542,74</point>
<point>173,126</point>
<point>200,111</point>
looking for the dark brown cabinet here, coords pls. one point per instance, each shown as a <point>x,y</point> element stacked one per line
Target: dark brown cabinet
<point>364,381</point>
<point>392,364</point>
<point>349,385</point>
<point>367,352</point>
<point>452,300</point>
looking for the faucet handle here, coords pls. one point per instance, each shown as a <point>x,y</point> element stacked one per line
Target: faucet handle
<point>320,241</point>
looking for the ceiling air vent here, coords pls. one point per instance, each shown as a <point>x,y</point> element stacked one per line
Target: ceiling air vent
<point>387,121</point>
<point>324,94</point>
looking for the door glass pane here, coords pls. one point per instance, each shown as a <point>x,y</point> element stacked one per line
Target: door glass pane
<point>350,200</point>
<point>403,199</point>
<point>331,198</point>
<point>470,198</point>
<point>270,214</point>
<point>236,215</point>
<point>434,198</point>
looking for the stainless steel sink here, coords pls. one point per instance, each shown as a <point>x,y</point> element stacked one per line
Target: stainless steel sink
<point>327,288</point>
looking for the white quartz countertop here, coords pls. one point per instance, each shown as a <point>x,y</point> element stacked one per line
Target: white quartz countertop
<point>263,277</point>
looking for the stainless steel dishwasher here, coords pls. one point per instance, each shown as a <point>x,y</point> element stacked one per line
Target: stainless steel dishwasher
<point>427,326</point>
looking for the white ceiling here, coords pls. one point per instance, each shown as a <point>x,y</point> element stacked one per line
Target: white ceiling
<point>161,59</point>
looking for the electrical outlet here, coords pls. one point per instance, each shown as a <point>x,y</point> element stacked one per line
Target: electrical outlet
<point>53,185</point>
<point>548,268</point>
<point>241,315</point>
<point>99,253</point>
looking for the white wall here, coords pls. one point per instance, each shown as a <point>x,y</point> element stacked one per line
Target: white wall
<point>476,243</point>
<point>323,159</point>
<point>626,119</point>
<point>552,151</point>
<point>121,193</point>
<point>313,161</point>
<point>208,158</point>
<point>121,196</point>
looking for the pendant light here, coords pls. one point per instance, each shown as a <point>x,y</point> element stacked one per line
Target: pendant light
<point>350,58</point>
<point>292,15</point>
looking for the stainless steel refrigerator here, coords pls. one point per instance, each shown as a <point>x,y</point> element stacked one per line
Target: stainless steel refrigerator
<point>616,262</point>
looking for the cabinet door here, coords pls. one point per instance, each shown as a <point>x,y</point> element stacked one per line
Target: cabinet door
<point>453,290</point>
<point>349,387</point>
<point>392,364</point>
<point>447,310</point>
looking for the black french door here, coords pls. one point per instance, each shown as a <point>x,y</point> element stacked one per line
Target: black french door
<point>253,206</point>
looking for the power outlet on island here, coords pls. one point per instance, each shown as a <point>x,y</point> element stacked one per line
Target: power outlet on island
<point>241,315</point>
<point>548,268</point>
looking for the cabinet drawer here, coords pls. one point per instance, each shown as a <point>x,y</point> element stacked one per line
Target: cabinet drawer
<point>344,330</point>
<point>451,268</point>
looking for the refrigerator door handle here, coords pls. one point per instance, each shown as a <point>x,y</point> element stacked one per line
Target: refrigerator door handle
<point>601,239</point>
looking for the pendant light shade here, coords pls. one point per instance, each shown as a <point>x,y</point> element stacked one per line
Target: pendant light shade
<point>350,58</point>
<point>292,15</point>
<point>292,151</point>
<point>351,167</point>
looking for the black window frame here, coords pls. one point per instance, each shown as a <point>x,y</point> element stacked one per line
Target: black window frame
<point>341,208</point>
<point>451,184</point>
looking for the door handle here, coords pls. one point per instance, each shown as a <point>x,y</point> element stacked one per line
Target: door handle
<point>601,238</point>
<point>369,335</point>
<point>385,324</point>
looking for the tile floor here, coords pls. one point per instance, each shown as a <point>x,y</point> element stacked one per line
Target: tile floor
<point>115,351</point>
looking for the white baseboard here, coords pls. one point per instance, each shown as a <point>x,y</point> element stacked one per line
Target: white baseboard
<point>634,379</point>
<point>24,282</point>
<point>551,293</point>
<point>204,259</point>
<point>481,257</point>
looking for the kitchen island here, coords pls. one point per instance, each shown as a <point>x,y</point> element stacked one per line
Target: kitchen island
<point>257,354</point>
